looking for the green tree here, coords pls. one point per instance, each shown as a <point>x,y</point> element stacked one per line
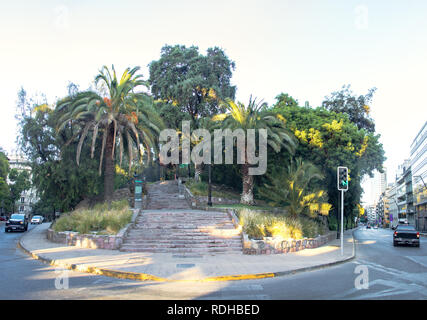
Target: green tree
<point>60,183</point>
<point>4,187</point>
<point>357,107</point>
<point>125,118</point>
<point>328,140</point>
<point>293,189</point>
<point>19,182</point>
<point>254,116</point>
<point>190,81</point>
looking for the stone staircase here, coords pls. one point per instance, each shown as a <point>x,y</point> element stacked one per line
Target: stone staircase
<point>167,227</point>
<point>165,195</point>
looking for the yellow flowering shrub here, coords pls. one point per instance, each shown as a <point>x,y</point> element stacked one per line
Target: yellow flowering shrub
<point>363,147</point>
<point>315,138</point>
<point>334,126</point>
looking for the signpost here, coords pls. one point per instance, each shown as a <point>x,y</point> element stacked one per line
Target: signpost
<point>342,184</point>
<point>138,192</point>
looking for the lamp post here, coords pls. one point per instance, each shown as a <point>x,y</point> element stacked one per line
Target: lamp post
<point>210,187</point>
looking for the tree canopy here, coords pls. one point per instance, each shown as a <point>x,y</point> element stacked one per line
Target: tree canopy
<point>192,82</point>
<point>357,107</point>
<point>328,140</point>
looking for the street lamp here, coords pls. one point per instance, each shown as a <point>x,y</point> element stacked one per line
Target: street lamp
<point>210,186</point>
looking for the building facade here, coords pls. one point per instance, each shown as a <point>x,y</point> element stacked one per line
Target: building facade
<point>371,213</point>
<point>390,205</point>
<point>406,212</point>
<point>28,197</point>
<point>419,177</point>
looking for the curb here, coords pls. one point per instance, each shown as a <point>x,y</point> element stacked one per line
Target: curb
<point>149,277</point>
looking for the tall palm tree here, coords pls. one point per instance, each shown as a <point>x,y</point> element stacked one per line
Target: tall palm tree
<point>290,188</point>
<point>125,118</point>
<point>209,125</point>
<point>255,116</point>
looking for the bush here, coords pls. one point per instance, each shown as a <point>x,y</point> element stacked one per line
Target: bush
<point>257,224</point>
<point>99,219</point>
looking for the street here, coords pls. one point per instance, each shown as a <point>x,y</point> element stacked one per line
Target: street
<point>393,273</point>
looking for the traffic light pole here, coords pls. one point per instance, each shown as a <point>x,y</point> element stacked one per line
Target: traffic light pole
<point>342,222</point>
<point>342,185</point>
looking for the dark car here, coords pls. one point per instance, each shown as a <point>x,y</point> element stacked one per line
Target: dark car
<point>406,234</point>
<point>17,222</point>
<point>3,218</point>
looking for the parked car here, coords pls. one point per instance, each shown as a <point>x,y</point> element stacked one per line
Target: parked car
<point>406,234</point>
<point>3,218</point>
<point>36,220</point>
<point>375,227</point>
<point>368,226</point>
<point>17,222</point>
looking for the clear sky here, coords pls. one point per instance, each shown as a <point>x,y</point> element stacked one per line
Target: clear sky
<point>305,48</point>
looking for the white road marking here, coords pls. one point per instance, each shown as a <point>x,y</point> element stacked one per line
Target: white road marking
<point>422,260</point>
<point>405,283</point>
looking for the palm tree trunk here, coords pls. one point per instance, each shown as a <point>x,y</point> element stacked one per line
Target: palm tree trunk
<point>247,196</point>
<point>109,169</point>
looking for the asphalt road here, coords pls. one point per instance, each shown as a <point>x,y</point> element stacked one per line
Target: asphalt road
<point>389,272</point>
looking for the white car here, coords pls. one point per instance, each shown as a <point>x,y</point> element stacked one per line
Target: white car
<point>36,220</point>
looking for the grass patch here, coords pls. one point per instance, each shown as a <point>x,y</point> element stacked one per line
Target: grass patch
<point>258,224</point>
<point>243,206</point>
<point>201,189</point>
<point>99,219</point>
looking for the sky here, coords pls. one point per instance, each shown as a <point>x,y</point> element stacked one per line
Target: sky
<point>307,49</point>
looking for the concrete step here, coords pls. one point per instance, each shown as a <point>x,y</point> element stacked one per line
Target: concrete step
<point>180,236</point>
<point>199,227</point>
<point>171,219</point>
<point>126,248</point>
<point>184,241</point>
<point>181,233</point>
<point>183,245</point>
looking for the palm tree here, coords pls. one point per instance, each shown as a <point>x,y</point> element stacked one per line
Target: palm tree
<point>255,116</point>
<point>125,118</point>
<point>209,125</point>
<point>290,188</point>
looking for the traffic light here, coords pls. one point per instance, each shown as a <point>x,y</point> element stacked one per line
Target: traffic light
<point>342,178</point>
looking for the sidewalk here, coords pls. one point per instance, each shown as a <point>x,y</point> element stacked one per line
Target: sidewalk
<point>171,267</point>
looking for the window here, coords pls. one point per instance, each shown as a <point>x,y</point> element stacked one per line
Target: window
<point>22,199</point>
<point>21,208</point>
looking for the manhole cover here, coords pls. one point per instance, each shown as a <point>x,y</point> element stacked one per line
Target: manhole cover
<point>185,265</point>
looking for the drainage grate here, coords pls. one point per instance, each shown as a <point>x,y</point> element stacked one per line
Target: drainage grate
<point>185,265</point>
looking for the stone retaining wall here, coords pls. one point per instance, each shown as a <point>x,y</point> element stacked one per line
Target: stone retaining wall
<point>280,245</point>
<point>91,241</point>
